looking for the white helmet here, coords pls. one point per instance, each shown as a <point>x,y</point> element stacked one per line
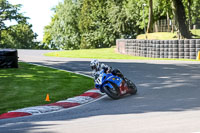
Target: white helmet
<point>94,64</point>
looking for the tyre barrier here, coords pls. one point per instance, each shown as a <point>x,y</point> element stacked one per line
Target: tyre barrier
<point>178,49</point>
<point>8,58</point>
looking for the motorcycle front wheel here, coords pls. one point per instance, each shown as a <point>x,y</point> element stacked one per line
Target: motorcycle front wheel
<point>113,93</point>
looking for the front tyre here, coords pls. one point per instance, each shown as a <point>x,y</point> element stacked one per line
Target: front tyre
<point>113,93</point>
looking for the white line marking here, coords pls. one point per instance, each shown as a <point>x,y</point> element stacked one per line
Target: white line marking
<point>38,109</point>
<point>78,99</point>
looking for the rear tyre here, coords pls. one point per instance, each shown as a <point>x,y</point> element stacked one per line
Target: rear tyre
<point>132,87</point>
<point>113,93</point>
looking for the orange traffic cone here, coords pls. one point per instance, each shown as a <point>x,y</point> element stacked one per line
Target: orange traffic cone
<point>47,98</point>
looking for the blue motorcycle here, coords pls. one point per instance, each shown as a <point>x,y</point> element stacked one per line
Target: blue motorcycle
<point>113,85</point>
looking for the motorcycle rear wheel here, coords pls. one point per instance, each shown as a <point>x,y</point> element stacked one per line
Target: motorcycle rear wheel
<point>132,87</point>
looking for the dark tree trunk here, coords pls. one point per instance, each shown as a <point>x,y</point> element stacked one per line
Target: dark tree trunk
<point>189,13</point>
<point>0,38</point>
<point>150,23</point>
<point>179,12</point>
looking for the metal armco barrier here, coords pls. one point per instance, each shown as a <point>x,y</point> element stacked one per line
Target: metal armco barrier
<point>183,49</point>
<point>8,58</point>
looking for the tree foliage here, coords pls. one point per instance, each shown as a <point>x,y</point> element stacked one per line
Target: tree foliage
<point>19,36</point>
<point>15,36</point>
<point>9,12</point>
<point>123,19</point>
<point>96,30</point>
<point>63,31</point>
<point>96,24</point>
<point>195,12</point>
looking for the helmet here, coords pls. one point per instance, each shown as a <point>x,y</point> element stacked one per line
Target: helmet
<point>94,64</point>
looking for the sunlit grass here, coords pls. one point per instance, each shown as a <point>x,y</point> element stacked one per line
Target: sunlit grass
<point>28,85</point>
<point>166,35</point>
<point>104,53</point>
<point>196,32</point>
<point>159,36</point>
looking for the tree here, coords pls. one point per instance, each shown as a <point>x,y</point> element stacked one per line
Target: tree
<point>47,42</point>
<point>8,12</point>
<point>193,12</point>
<point>15,36</point>
<point>189,12</point>
<point>63,32</point>
<point>150,22</point>
<point>92,24</point>
<point>102,22</point>
<point>96,24</point>
<point>19,36</point>
<point>137,15</point>
<point>180,16</point>
<point>96,30</point>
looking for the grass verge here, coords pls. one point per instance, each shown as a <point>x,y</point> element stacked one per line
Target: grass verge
<point>167,35</point>
<point>159,36</point>
<point>28,85</point>
<point>196,33</point>
<point>103,53</point>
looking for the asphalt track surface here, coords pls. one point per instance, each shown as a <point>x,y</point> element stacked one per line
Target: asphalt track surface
<point>168,100</point>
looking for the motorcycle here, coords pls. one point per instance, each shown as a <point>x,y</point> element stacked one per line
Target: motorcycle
<point>114,86</point>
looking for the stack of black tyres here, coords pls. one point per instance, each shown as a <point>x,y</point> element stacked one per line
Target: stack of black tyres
<point>157,48</point>
<point>134,48</point>
<point>175,49</point>
<point>192,49</point>
<point>140,47</point>
<point>151,48</point>
<point>162,50</point>
<point>154,49</point>
<point>170,53</point>
<point>126,47</point>
<point>166,48</point>
<point>181,49</point>
<point>186,49</point>
<point>8,58</point>
<point>148,49</point>
<point>129,47</point>
<point>145,48</point>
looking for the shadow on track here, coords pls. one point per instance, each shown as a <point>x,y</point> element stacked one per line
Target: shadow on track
<point>161,88</point>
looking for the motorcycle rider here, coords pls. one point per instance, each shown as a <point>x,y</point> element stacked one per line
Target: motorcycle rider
<point>97,67</point>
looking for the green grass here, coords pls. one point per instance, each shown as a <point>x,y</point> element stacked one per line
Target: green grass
<point>166,35</point>
<point>103,53</point>
<point>29,84</point>
<point>159,36</point>
<point>196,32</point>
